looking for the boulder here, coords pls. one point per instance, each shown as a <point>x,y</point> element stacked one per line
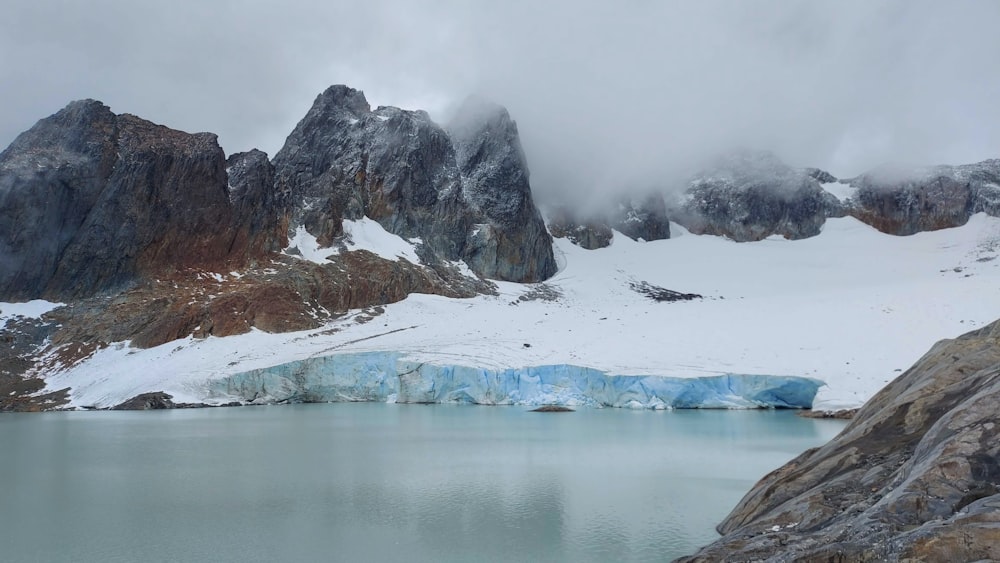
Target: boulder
<point>157,400</point>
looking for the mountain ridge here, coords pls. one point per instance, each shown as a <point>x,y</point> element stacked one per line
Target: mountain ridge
<point>152,235</point>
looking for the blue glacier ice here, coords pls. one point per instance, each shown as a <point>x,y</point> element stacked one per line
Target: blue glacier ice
<point>389,376</point>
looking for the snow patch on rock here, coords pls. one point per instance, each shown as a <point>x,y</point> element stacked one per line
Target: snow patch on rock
<point>368,234</point>
<point>33,309</point>
<point>305,246</point>
<point>363,234</point>
<point>842,191</point>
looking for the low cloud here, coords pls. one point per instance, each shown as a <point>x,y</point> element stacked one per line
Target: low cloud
<point>605,95</point>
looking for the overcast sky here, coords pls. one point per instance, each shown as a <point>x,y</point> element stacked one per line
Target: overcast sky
<point>604,93</point>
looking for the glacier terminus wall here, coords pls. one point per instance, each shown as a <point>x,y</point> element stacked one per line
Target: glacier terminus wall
<point>389,377</point>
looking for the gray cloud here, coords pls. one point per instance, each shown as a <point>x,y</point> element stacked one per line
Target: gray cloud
<point>605,95</point>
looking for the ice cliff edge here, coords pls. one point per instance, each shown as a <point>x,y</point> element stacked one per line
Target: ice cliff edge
<point>389,376</point>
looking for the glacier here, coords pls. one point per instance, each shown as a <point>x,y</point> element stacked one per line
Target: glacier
<point>390,377</point>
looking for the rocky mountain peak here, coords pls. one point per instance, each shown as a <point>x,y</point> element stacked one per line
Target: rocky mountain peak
<point>84,130</point>
<point>341,98</point>
<point>750,169</point>
<point>821,176</point>
<point>141,134</point>
<point>494,174</point>
<point>489,154</point>
<point>93,201</point>
<point>402,169</point>
<point>477,116</point>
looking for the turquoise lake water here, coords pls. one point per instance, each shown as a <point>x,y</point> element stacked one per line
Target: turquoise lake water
<point>381,482</point>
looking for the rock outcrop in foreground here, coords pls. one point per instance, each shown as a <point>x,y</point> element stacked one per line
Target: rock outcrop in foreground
<point>914,477</point>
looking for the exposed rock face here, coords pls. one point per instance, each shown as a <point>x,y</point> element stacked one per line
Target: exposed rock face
<point>290,295</point>
<point>92,200</point>
<point>907,202</point>
<point>638,218</point>
<point>821,176</point>
<point>258,210</point>
<point>20,339</point>
<point>513,243</point>
<point>641,218</point>
<point>157,400</point>
<point>63,162</point>
<point>914,477</point>
<point>590,234</point>
<point>751,195</point>
<point>344,161</point>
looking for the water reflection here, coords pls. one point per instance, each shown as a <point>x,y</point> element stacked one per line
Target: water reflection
<point>381,482</point>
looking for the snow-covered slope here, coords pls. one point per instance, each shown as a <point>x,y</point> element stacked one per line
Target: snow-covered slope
<point>851,307</point>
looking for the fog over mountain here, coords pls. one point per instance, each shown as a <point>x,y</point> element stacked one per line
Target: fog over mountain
<point>605,96</point>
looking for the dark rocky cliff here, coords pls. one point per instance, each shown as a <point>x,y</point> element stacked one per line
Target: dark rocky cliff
<point>904,202</point>
<point>750,195</point>
<point>345,161</point>
<point>637,217</point>
<point>914,477</point>
<point>510,241</point>
<point>92,201</point>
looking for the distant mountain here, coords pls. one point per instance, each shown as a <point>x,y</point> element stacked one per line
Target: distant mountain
<point>750,195</point>
<point>637,217</point>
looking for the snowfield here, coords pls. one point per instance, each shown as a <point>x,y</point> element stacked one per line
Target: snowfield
<point>851,307</point>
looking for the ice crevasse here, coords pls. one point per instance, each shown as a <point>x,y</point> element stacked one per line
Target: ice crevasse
<point>390,377</point>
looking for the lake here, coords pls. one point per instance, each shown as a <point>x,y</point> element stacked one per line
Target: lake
<point>382,482</point>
